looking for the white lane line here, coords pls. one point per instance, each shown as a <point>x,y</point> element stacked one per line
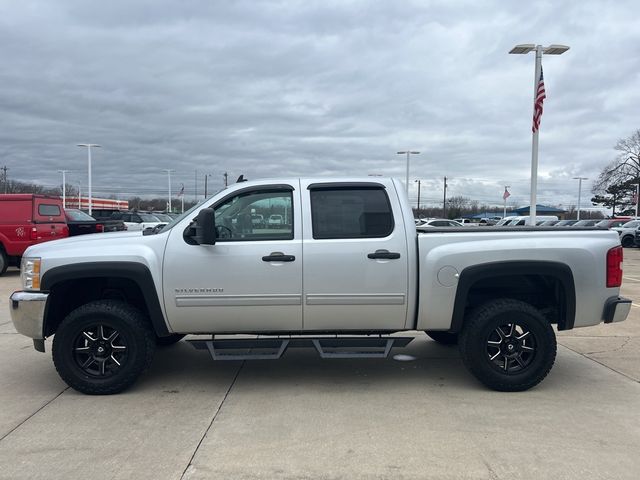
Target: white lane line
<point>635,305</point>
<point>633,279</point>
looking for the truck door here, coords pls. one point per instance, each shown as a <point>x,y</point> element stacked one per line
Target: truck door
<point>48,219</point>
<point>355,257</point>
<point>251,279</point>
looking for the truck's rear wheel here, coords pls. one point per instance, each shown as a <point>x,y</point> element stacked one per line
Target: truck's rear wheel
<point>103,347</point>
<point>508,345</point>
<point>444,338</point>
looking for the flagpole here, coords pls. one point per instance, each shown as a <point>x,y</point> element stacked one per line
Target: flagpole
<point>534,141</point>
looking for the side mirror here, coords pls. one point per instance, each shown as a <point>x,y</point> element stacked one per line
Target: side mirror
<point>205,227</point>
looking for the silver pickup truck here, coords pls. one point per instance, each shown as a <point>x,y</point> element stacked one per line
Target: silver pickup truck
<point>343,270</point>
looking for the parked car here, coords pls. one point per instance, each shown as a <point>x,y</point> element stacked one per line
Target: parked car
<point>489,221</point>
<point>81,223</point>
<point>585,223</point>
<point>612,222</point>
<point>275,219</point>
<point>163,217</point>
<point>28,219</point>
<point>257,220</point>
<point>523,220</point>
<point>439,222</point>
<point>349,272</point>
<point>104,217</point>
<point>565,223</point>
<point>546,223</point>
<point>466,222</point>
<point>137,221</point>
<point>627,233</point>
<point>505,221</point>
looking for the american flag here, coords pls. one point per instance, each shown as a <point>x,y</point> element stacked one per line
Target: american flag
<point>537,103</point>
<point>181,192</point>
<point>506,194</point>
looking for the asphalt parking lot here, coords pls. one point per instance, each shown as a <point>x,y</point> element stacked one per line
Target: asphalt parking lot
<point>302,417</point>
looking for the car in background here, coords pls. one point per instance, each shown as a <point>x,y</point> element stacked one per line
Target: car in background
<point>27,219</point>
<point>485,221</point>
<point>523,220</point>
<point>137,221</point>
<point>505,221</point>
<point>585,223</point>
<point>546,223</point>
<point>612,222</point>
<point>275,219</point>
<point>439,222</point>
<point>257,220</point>
<point>565,223</point>
<point>163,217</point>
<point>627,233</point>
<point>81,223</point>
<point>466,222</point>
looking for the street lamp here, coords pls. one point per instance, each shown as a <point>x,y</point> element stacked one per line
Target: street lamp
<point>89,145</point>
<point>419,182</point>
<point>579,191</point>
<point>169,171</point>
<point>64,187</point>
<point>539,49</point>
<point>408,153</point>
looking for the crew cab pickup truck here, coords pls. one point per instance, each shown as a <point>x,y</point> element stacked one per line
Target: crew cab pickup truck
<point>27,219</point>
<point>341,272</point>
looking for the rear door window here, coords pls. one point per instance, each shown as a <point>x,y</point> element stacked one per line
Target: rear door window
<point>350,213</point>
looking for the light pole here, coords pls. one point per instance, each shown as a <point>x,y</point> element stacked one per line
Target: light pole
<point>408,153</point>
<point>579,191</point>
<point>64,187</point>
<point>206,177</point>
<point>419,182</point>
<point>169,171</point>
<point>537,105</point>
<point>88,146</point>
<point>444,201</point>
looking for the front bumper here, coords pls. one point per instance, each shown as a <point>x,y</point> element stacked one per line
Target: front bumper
<point>27,313</point>
<point>616,309</point>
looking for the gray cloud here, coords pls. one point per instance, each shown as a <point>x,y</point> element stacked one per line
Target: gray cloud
<point>315,88</point>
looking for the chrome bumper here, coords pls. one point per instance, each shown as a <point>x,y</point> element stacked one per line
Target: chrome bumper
<point>27,313</point>
<point>616,309</point>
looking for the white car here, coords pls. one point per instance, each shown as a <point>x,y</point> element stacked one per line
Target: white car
<point>439,222</point>
<point>627,233</point>
<point>275,219</point>
<point>138,221</point>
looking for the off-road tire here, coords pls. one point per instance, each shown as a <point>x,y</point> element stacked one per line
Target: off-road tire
<point>481,326</point>
<point>134,333</point>
<point>170,340</point>
<point>443,338</point>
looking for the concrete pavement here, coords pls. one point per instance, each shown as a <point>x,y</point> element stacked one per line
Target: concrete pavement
<point>302,417</point>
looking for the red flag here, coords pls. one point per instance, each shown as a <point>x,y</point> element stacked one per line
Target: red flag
<point>537,103</point>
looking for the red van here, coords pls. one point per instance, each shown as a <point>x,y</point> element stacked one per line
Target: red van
<point>27,219</point>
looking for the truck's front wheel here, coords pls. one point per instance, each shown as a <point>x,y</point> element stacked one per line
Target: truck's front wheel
<point>103,347</point>
<point>508,345</point>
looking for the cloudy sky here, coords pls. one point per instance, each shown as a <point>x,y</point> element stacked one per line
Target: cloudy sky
<point>306,88</point>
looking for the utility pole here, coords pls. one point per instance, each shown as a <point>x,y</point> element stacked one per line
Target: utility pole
<point>206,178</point>
<point>196,185</point>
<point>580,192</point>
<point>169,171</point>
<point>408,153</point>
<point>444,203</point>
<point>64,187</point>
<point>4,177</point>
<point>89,146</point>
<point>418,212</point>
<point>226,177</point>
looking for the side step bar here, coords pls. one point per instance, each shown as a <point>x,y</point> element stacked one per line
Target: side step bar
<point>274,348</point>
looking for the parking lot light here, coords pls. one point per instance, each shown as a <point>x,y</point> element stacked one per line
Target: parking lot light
<point>408,153</point>
<point>89,145</point>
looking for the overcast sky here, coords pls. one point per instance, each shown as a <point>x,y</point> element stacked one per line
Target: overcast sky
<point>315,88</point>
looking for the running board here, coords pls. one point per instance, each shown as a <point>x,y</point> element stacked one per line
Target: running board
<point>275,347</point>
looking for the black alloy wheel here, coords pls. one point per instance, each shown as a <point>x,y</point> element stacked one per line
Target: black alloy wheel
<point>508,345</point>
<point>102,347</point>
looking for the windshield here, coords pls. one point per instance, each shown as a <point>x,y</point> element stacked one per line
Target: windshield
<point>79,216</point>
<point>163,217</point>
<point>632,224</point>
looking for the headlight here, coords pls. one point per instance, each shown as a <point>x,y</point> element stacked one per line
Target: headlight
<point>30,273</point>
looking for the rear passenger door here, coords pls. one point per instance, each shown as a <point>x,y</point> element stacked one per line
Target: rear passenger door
<point>355,270</point>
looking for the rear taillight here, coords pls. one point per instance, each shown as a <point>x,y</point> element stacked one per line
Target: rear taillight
<point>614,267</point>
<point>33,235</point>
<point>99,227</point>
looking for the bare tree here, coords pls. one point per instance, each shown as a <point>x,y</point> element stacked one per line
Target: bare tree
<point>625,168</point>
